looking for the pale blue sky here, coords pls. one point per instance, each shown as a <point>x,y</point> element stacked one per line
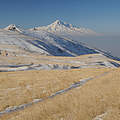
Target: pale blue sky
<point>99,15</point>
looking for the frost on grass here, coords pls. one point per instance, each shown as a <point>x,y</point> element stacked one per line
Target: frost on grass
<point>100,117</point>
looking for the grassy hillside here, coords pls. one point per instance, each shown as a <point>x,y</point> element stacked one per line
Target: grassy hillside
<point>99,96</point>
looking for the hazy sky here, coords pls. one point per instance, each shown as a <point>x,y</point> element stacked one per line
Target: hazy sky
<point>99,15</point>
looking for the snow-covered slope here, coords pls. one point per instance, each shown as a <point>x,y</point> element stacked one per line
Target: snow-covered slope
<point>44,42</point>
<point>66,30</point>
<point>58,46</point>
<point>13,38</point>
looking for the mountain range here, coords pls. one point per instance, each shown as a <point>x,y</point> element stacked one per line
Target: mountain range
<point>64,29</point>
<point>53,39</point>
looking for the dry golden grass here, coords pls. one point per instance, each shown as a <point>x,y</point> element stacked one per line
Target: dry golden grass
<point>21,87</point>
<point>98,96</point>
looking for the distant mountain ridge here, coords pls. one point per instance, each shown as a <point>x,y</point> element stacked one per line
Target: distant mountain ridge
<point>62,28</point>
<point>46,42</point>
<point>42,42</point>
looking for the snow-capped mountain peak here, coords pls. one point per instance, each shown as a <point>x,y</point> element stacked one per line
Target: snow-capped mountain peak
<point>64,29</point>
<point>13,27</point>
<point>60,23</point>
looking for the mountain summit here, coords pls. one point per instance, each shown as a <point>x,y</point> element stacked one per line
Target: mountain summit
<point>62,28</point>
<point>13,27</point>
<point>60,23</point>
